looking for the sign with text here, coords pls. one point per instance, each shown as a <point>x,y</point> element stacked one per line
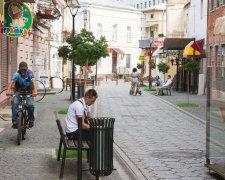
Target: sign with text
<point>141,58</point>
<point>109,50</point>
<point>18,19</point>
<point>158,43</point>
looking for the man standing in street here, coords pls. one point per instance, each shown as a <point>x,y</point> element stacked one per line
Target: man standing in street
<point>24,84</point>
<point>80,108</point>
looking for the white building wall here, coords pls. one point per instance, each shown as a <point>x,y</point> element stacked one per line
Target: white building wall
<point>94,15</point>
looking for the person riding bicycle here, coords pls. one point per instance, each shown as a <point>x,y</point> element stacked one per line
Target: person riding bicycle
<point>24,85</point>
<point>135,80</point>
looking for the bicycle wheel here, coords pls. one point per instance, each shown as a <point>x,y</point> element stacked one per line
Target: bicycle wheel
<point>19,126</point>
<point>42,93</point>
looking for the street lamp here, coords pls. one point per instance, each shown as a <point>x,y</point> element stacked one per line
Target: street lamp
<point>150,57</point>
<point>73,6</point>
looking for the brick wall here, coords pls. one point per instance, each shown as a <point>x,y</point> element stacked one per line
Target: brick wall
<point>215,41</point>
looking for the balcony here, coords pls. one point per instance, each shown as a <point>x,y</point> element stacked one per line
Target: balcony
<point>47,9</point>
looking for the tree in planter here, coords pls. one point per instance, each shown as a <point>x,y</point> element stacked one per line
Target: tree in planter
<point>190,66</point>
<point>90,50</point>
<point>85,49</point>
<point>139,65</point>
<point>163,67</point>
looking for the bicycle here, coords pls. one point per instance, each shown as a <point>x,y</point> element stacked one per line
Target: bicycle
<point>22,118</point>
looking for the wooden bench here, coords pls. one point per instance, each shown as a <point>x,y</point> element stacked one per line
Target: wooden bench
<point>68,145</point>
<point>89,82</point>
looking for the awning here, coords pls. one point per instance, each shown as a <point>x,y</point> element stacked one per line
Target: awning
<point>158,51</point>
<point>189,50</point>
<point>118,51</point>
<point>219,27</point>
<point>176,43</point>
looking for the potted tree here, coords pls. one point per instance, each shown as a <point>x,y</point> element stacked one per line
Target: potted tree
<point>85,49</point>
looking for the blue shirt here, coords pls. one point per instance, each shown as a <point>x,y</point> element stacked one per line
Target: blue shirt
<point>23,83</point>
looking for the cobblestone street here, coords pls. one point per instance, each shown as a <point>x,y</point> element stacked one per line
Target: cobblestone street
<point>159,140</point>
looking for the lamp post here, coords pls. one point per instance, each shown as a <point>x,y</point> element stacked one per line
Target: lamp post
<point>150,57</point>
<point>73,5</point>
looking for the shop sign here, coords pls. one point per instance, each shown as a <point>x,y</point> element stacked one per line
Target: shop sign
<point>158,43</point>
<point>141,58</point>
<point>18,19</point>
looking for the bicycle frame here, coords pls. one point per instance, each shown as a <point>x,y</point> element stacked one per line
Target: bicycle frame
<point>22,114</point>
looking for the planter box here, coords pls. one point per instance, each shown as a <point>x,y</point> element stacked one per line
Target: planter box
<point>100,79</point>
<point>127,80</point>
<point>114,79</point>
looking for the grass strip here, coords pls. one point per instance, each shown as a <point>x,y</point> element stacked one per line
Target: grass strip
<point>187,105</point>
<point>149,89</point>
<point>164,93</point>
<point>63,111</point>
<point>71,153</point>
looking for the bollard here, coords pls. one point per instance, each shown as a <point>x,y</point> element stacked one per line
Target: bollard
<point>117,82</point>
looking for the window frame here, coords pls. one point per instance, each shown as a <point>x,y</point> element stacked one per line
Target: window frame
<point>128,60</point>
<point>212,3</point>
<point>128,34</point>
<point>114,36</point>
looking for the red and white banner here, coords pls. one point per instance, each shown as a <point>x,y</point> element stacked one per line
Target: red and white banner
<point>158,43</point>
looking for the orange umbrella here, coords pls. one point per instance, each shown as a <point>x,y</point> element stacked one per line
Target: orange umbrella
<point>189,50</point>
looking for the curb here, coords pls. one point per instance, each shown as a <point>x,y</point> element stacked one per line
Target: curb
<point>125,167</point>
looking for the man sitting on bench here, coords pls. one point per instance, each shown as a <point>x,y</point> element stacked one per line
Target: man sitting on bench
<point>165,86</point>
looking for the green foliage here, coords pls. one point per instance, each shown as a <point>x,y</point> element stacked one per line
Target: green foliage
<point>160,93</point>
<point>139,65</point>
<point>63,111</point>
<point>187,105</point>
<point>149,89</point>
<point>90,48</point>
<point>71,153</point>
<point>83,47</point>
<point>163,67</point>
<point>191,65</point>
<point>153,65</point>
<point>127,78</point>
<point>115,76</point>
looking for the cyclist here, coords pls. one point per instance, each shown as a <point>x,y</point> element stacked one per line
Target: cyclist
<point>24,84</point>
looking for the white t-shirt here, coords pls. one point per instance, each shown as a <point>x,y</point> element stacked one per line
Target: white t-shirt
<point>168,82</point>
<point>75,109</point>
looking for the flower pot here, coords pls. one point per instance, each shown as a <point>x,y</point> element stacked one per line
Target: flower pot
<point>114,79</point>
<point>100,79</point>
<point>48,12</point>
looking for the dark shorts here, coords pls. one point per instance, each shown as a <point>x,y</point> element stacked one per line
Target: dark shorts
<point>74,135</point>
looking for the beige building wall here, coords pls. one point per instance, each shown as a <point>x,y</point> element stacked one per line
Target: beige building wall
<point>175,18</point>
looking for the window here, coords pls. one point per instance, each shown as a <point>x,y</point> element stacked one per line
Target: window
<point>149,3</point>
<point>128,61</point>
<point>114,37</point>
<point>128,34</point>
<point>137,6</point>
<point>216,63</point>
<point>153,2</point>
<point>223,2</point>
<point>217,3</point>
<point>201,10</point>
<point>162,1</point>
<point>152,33</point>
<point>210,55</point>
<point>212,5</point>
<point>99,31</point>
<point>141,6</point>
<point>145,4</point>
<point>152,15</point>
<point>99,63</point>
<point>223,55</point>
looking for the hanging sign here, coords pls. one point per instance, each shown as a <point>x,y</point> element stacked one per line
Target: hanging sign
<point>18,19</point>
<point>141,58</point>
